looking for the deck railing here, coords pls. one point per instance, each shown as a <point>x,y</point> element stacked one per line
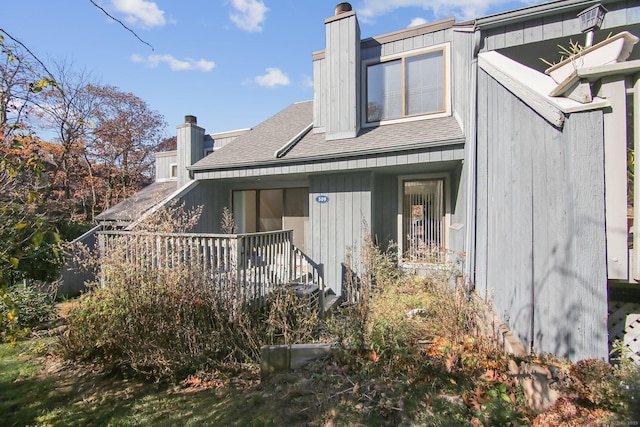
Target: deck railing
<point>247,266</point>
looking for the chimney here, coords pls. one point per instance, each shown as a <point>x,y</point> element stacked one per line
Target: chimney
<point>190,146</point>
<point>342,73</point>
<point>342,7</point>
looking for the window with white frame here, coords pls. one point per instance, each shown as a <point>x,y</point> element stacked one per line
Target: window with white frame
<point>405,87</point>
<point>173,170</point>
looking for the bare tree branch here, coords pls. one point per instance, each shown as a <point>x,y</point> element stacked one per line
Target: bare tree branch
<point>121,23</point>
<point>28,50</point>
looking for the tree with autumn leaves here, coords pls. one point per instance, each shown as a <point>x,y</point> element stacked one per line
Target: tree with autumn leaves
<point>106,139</point>
<point>101,152</point>
<point>30,246</point>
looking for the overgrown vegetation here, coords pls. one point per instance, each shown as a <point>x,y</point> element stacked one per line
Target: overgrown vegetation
<point>594,392</point>
<point>21,308</point>
<point>411,353</point>
<point>167,322</point>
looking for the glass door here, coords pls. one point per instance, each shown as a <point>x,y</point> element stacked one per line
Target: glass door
<point>423,214</point>
<point>272,210</point>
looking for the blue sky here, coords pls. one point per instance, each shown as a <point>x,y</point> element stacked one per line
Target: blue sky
<point>231,63</point>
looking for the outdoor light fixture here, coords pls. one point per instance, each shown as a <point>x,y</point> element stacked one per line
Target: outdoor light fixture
<point>590,20</point>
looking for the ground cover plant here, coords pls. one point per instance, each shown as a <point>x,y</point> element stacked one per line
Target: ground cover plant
<point>158,351</point>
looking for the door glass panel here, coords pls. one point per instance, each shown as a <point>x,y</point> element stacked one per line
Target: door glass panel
<point>296,214</point>
<point>423,221</point>
<point>270,213</point>
<point>244,211</point>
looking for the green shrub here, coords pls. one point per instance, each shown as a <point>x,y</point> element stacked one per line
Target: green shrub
<point>23,307</point>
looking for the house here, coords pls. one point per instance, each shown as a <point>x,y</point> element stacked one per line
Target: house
<point>451,141</point>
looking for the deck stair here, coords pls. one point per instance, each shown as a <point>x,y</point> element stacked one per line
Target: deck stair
<point>315,299</point>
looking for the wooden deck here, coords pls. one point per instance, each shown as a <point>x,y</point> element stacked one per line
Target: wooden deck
<point>248,266</point>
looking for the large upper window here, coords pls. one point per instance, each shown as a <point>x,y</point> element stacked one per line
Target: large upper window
<point>409,86</point>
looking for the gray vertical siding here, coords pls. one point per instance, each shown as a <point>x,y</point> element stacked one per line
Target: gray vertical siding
<point>577,314</point>
<point>342,73</point>
<point>463,109</point>
<point>163,164</point>
<point>213,197</point>
<point>373,51</point>
<point>219,140</point>
<point>557,25</point>
<point>339,225</point>
<point>190,149</point>
<point>461,56</point>
<point>484,117</point>
<point>74,276</point>
<point>540,202</point>
<point>385,226</point>
<point>319,94</point>
<point>458,208</point>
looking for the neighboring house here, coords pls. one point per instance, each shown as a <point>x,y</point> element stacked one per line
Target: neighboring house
<point>444,139</point>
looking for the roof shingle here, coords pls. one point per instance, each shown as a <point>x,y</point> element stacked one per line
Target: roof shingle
<point>258,146</point>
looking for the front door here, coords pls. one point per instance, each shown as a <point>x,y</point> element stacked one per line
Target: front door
<point>423,220</point>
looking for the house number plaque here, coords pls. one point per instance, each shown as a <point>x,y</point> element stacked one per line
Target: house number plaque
<point>322,199</point>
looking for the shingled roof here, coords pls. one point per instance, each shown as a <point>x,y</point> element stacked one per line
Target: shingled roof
<point>130,209</point>
<point>258,147</point>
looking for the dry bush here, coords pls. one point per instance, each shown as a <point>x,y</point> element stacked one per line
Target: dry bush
<point>372,272</point>
<point>605,386</point>
<point>174,319</point>
<point>228,223</point>
<point>406,321</point>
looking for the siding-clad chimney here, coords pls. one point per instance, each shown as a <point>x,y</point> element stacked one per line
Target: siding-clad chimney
<point>190,146</point>
<point>342,74</point>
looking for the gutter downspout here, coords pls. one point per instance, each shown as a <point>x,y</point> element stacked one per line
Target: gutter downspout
<point>472,171</point>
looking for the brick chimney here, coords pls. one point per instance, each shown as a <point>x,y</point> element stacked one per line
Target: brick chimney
<point>341,74</point>
<point>190,147</point>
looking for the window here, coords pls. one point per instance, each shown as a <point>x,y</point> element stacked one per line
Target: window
<point>409,86</point>
<point>174,170</point>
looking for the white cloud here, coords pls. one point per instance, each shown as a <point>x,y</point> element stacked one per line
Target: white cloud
<point>250,14</point>
<point>175,64</point>
<point>274,77</point>
<point>143,12</point>
<point>417,21</point>
<point>461,9</point>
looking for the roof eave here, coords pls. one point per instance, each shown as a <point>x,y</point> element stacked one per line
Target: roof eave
<point>535,11</point>
<point>309,159</point>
